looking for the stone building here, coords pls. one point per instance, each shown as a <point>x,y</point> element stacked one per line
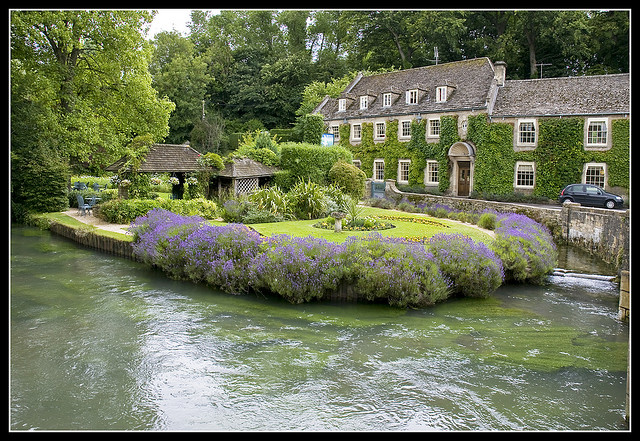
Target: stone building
<point>375,116</point>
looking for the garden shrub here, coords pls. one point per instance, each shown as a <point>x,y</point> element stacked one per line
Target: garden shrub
<point>39,179</point>
<point>525,247</point>
<point>310,161</point>
<point>473,268</point>
<point>274,200</point>
<point>309,199</point>
<point>349,178</point>
<point>404,274</point>
<point>487,221</point>
<point>233,211</point>
<point>123,211</point>
<point>299,269</point>
<point>401,271</point>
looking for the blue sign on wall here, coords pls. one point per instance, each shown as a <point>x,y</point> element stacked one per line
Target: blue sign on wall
<point>327,139</point>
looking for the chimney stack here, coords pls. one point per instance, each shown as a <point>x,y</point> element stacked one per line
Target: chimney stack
<point>500,68</point>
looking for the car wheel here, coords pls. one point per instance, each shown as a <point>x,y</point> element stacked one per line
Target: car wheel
<point>565,200</point>
<point>610,204</point>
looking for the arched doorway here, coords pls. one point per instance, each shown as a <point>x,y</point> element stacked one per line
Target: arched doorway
<point>462,155</point>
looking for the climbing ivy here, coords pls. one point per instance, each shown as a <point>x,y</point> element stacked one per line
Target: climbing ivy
<point>559,155</point>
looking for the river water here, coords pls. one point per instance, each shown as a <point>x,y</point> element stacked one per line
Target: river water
<point>103,343</point>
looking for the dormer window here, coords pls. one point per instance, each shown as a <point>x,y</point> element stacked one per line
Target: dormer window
<point>441,94</point>
<point>412,96</point>
<point>342,104</point>
<point>364,102</point>
<point>386,100</point>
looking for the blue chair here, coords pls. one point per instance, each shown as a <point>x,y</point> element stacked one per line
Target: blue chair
<point>82,206</point>
<point>96,187</point>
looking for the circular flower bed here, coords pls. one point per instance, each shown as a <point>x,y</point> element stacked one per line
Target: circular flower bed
<point>360,224</point>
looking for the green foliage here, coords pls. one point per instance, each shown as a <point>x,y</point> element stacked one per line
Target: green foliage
<point>273,200</point>
<point>310,128</point>
<point>123,211</point>
<point>38,182</point>
<point>259,146</point>
<point>93,69</point>
<point>212,160</point>
<point>310,162</point>
<point>309,199</point>
<point>559,155</point>
<point>487,221</point>
<point>495,158</point>
<point>349,178</point>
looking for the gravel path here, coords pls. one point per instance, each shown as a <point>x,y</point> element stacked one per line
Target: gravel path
<point>97,222</point>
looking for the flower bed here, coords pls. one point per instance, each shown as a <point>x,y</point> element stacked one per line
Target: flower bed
<point>236,259</point>
<point>361,224</point>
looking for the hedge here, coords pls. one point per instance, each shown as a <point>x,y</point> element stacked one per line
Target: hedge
<point>309,162</point>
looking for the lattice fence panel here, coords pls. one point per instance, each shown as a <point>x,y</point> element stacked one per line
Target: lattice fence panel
<point>246,185</point>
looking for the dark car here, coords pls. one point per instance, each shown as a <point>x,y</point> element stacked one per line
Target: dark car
<point>591,195</point>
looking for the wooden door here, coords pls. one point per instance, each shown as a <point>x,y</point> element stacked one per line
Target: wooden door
<point>464,178</point>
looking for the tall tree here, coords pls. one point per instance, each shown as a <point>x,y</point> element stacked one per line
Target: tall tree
<point>180,75</point>
<point>96,66</point>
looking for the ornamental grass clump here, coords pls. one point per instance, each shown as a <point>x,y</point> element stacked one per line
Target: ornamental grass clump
<point>525,247</point>
<point>474,269</point>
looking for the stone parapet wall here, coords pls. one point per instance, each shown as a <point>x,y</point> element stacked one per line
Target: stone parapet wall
<point>602,232</point>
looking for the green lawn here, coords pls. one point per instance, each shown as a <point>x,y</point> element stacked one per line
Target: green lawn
<point>403,228</point>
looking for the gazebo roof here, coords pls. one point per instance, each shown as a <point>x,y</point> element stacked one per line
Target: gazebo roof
<point>165,158</point>
<point>246,168</point>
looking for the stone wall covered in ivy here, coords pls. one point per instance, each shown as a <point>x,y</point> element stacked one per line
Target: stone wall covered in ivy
<point>559,156</point>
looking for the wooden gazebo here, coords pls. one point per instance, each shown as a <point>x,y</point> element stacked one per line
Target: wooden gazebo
<point>244,176</point>
<point>167,158</point>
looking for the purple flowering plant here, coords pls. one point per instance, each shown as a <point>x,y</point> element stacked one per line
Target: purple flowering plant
<point>525,247</point>
<point>236,259</point>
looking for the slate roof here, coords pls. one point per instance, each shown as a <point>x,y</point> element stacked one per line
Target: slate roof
<point>165,158</point>
<point>246,168</point>
<point>470,81</point>
<point>581,95</point>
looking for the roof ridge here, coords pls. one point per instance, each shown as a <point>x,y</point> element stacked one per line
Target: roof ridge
<point>428,67</point>
<point>571,77</point>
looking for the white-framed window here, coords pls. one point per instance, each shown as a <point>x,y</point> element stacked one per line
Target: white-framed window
<point>431,173</point>
<point>525,174</point>
<point>381,131</point>
<point>364,102</point>
<point>342,104</point>
<point>526,135</point>
<point>441,94</point>
<point>386,100</point>
<point>405,128</point>
<point>597,132</point>
<point>356,131</point>
<point>433,128</point>
<point>378,170</point>
<point>403,171</point>
<point>335,130</point>
<point>357,163</point>
<point>595,173</point>
<point>412,96</point>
